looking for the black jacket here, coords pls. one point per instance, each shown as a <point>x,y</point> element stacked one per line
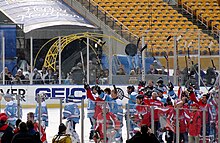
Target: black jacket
<point>6,133</point>
<point>23,137</point>
<point>143,138</point>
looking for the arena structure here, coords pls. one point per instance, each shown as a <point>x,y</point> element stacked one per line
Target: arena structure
<point>55,46</point>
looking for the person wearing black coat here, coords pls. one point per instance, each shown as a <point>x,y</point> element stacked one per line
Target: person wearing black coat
<point>23,136</point>
<point>144,136</point>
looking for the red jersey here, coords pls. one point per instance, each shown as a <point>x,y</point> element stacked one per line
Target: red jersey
<point>183,119</point>
<point>143,115</point>
<point>98,101</point>
<point>207,107</point>
<point>43,137</point>
<point>195,123</point>
<point>156,104</point>
<point>111,123</point>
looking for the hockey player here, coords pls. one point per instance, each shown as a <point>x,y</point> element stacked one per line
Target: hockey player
<point>171,92</point>
<point>115,105</point>
<point>141,86</point>
<point>160,85</point>
<point>194,124</point>
<point>112,125</point>
<point>149,88</point>
<point>156,103</point>
<point>30,117</point>
<point>10,110</point>
<point>204,105</point>
<point>118,111</point>
<point>72,114</point>
<point>142,116</point>
<point>44,112</point>
<point>183,121</point>
<point>131,107</point>
<point>90,114</point>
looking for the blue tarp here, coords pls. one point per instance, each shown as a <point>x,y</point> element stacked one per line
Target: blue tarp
<point>9,33</point>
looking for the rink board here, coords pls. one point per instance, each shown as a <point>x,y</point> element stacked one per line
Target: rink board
<point>56,92</point>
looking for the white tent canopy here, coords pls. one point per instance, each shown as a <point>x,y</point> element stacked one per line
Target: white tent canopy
<point>35,14</point>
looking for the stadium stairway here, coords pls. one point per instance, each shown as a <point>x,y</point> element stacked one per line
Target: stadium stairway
<point>192,18</point>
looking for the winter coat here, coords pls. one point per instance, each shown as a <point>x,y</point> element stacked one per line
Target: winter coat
<point>6,133</point>
<point>62,138</point>
<point>23,137</point>
<point>143,138</point>
<point>195,123</point>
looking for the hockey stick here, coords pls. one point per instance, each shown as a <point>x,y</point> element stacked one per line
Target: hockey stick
<point>187,67</point>
<point>167,60</point>
<point>209,49</point>
<point>83,67</point>
<point>196,70</point>
<point>138,41</point>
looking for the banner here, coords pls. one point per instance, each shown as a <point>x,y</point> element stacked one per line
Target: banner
<point>55,92</point>
<point>41,13</point>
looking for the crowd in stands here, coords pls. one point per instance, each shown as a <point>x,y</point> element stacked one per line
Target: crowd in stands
<point>101,76</point>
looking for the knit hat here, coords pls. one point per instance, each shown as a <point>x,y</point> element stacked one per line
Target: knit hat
<point>62,128</point>
<point>3,117</point>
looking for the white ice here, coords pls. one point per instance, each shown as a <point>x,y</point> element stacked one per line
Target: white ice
<point>54,121</point>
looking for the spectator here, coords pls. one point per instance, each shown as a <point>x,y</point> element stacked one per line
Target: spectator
<point>30,127</point>
<point>145,135</point>
<point>104,76</point>
<point>138,71</point>
<point>17,80</point>
<point>44,74</point>
<point>30,116</point>
<point>6,74</point>
<point>22,136</point>
<point>16,130</point>
<point>132,72</point>
<point>121,70</point>
<point>37,77</point>
<point>32,132</point>
<point>20,73</point>
<point>26,79</point>
<point>62,137</point>
<point>9,78</point>
<point>6,131</point>
<point>152,70</point>
<point>68,79</point>
<point>49,78</point>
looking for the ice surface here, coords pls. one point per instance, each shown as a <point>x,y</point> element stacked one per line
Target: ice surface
<point>54,121</point>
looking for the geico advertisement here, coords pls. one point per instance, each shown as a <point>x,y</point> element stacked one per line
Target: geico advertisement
<point>61,91</point>
<point>52,91</point>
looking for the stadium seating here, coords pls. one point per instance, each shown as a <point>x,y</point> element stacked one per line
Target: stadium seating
<point>206,11</point>
<point>156,20</point>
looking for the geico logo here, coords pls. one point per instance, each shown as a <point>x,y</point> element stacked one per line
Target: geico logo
<point>79,93</point>
<point>13,91</point>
